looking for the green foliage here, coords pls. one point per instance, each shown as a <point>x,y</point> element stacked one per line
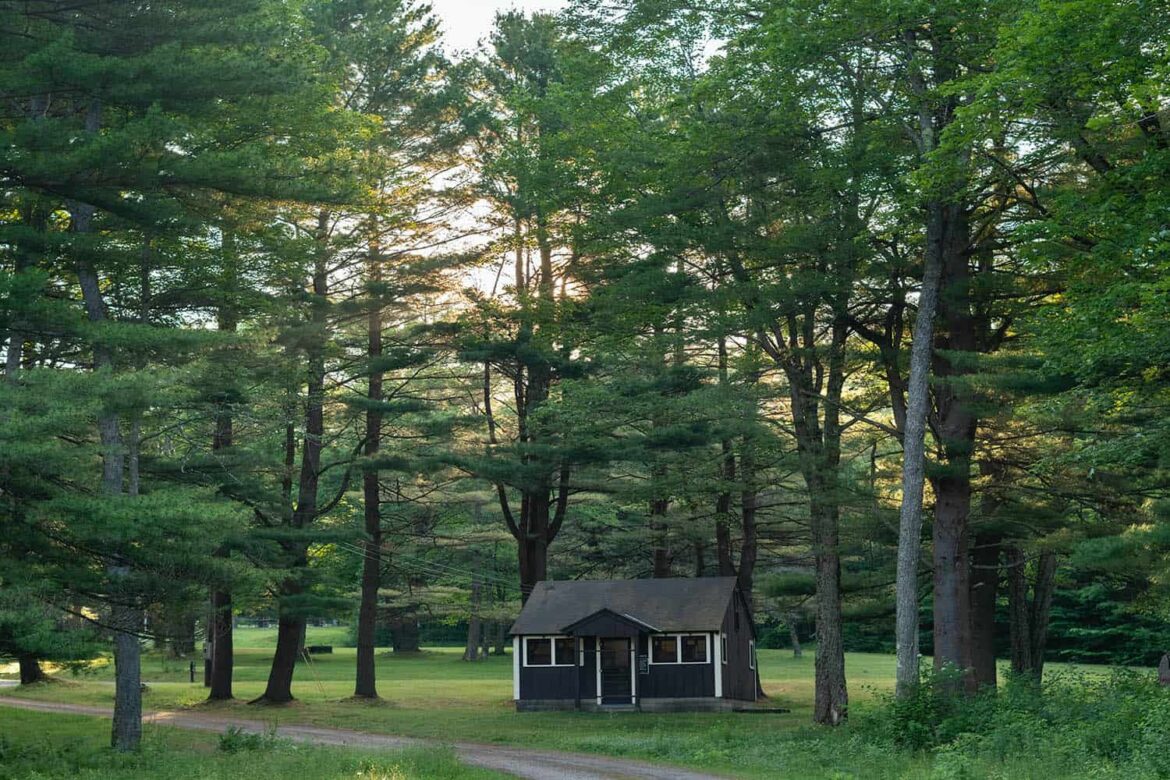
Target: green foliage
<point>1074,725</point>
<point>42,745</point>
<point>238,740</point>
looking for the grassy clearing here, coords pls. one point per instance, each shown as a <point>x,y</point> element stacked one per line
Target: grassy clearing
<point>434,694</point>
<point>37,745</point>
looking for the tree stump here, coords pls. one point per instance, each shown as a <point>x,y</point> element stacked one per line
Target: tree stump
<point>1164,670</point>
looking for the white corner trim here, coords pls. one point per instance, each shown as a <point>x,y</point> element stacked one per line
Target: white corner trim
<point>718,666</point>
<point>516,668</point>
<point>634,671</point>
<point>598,659</point>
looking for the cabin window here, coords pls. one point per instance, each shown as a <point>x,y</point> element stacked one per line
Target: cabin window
<point>694,649</point>
<point>752,654</point>
<point>723,647</point>
<point>538,651</point>
<point>549,650</point>
<point>679,648</point>
<point>564,648</point>
<point>664,649</point>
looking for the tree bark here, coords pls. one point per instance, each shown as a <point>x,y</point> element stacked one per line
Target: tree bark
<point>366,684</point>
<point>291,626</point>
<point>957,426</point>
<point>1029,616</point>
<point>222,626</point>
<point>1042,609</point>
<point>660,557</point>
<point>1019,611</point>
<point>125,617</point>
<point>984,593</point>
<point>723,501</point>
<point>914,460</point>
<point>222,646</point>
<point>501,638</point>
<point>820,444</point>
<point>404,635</point>
<point>30,670</point>
<point>794,637</point>
<point>471,649</point>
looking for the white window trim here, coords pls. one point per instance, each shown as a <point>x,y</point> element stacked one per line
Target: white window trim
<point>678,649</point>
<point>717,667</point>
<point>552,652</point>
<point>516,668</point>
<point>752,654</point>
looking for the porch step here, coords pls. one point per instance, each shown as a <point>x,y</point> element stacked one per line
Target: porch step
<point>618,708</point>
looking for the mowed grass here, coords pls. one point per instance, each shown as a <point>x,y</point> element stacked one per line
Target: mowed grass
<point>434,694</point>
<point>36,745</point>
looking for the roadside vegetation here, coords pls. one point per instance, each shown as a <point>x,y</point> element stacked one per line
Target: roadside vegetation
<point>35,746</point>
<point>1086,721</point>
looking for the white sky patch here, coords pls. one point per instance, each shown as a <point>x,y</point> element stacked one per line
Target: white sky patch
<point>466,22</point>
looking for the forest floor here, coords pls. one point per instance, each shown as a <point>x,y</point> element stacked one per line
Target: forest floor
<point>436,696</point>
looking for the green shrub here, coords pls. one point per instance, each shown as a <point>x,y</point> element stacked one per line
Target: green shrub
<point>236,740</point>
<point>1072,725</point>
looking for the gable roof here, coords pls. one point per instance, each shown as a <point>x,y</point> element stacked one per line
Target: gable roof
<point>680,604</point>
<point>588,625</point>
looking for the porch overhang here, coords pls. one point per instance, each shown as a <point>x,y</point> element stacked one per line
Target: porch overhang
<point>606,622</point>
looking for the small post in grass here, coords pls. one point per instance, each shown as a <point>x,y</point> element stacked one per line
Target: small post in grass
<point>1164,669</point>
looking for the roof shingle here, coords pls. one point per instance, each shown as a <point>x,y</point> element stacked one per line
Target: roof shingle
<point>697,604</point>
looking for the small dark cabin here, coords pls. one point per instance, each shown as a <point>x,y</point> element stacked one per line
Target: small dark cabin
<point>662,644</point>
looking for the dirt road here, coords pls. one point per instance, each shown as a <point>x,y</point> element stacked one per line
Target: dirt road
<point>529,763</point>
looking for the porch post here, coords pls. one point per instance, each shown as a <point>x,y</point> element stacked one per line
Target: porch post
<point>516,668</point>
<point>718,656</point>
<point>634,670</point>
<point>578,652</point>
<point>598,640</point>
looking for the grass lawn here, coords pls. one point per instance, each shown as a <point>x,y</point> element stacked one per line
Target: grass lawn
<point>35,745</point>
<point>434,694</point>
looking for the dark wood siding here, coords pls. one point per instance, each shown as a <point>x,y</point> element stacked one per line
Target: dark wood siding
<point>739,679</point>
<point>589,669</point>
<point>556,682</point>
<point>547,682</point>
<point>675,681</point>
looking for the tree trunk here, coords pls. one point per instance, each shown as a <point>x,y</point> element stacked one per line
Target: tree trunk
<point>831,705</point>
<point>1018,610</point>
<point>404,635</point>
<point>126,621</point>
<point>366,685</point>
<point>223,438</point>
<point>222,646</point>
<point>659,538</point>
<point>952,589</point>
<point>30,670</point>
<point>1042,609</point>
<point>749,547</point>
<point>914,460</point>
<point>471,649</point>
<point>723,502</point>
<point>291,626</point>
<point>984,593</point>
<point>794,637</point>
<point>1029,617</point>
<point>957,427</point>
<point>726,565</point>
<point>501,638</point>
<point>182,640</point>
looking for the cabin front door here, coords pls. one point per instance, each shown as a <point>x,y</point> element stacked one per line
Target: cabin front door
<point>616,677</point>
